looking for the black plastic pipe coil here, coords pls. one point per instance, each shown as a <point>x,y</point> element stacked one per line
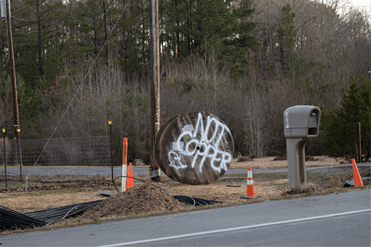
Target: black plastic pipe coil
<point>194,201</point>
<point>10,219</point>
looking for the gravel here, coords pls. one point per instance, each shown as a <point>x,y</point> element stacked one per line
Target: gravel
<point>106,171</point>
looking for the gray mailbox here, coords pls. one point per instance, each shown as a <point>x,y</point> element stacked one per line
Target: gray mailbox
<point>301,123</point>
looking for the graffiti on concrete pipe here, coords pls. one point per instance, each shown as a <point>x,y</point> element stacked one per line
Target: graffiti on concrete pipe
<point>201,146</point>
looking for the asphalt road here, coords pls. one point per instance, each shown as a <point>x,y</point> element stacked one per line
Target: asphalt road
<point>66,170</point>
<point>330,220</point>
<point>106,171</point>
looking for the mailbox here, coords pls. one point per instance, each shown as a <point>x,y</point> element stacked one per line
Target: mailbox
<point>301,121</point>
<point>300,124</point>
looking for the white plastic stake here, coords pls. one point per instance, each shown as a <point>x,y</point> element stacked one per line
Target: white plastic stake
<point>123,179</point>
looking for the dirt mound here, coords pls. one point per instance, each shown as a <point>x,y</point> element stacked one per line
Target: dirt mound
<point>307,158</point>
<point>347,159</point>
<point>280,158</point>
<point>241,158</point>
<point>302,188</point>
<point>135,201</point>
<point>138,162</point>
<point>311,158</point>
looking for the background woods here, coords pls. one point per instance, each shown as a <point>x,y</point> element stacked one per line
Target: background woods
<point>244,61</point>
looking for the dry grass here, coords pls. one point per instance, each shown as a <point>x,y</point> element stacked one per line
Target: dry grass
<point>27,202</point>
<point>268,185</point>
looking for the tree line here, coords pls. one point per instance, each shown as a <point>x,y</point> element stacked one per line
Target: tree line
<point>244,61</point>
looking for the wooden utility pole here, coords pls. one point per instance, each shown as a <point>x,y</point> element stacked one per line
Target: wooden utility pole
<point>13,81</point>
<point>369,73</point>
<point>155,87</point>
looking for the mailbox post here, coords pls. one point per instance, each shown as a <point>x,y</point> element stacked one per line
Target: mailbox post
<point>301,123</point>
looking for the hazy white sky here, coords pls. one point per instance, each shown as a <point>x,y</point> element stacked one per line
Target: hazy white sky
<point>361,2</point>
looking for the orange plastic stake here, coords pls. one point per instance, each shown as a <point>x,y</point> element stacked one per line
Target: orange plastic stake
<point>130,183</point>
<point>125,152</point>
<point>356,176</point>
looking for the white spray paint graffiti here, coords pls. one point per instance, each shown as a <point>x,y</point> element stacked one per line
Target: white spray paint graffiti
<point>202,147</point>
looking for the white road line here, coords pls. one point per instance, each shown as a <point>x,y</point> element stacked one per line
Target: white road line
<point>236,228</point>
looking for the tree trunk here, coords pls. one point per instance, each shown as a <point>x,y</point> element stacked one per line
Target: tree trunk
<point>177,31</point>
<point>105,30</point>
<point>39,40</point>
<point>143,36</point>
<point>95,51</point>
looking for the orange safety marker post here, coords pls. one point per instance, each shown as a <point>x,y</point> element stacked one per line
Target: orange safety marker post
<point>250,194</point>
<point>149,172</point>
<point>356,176</point>
<point>130,183</point>
<point>124,164</point>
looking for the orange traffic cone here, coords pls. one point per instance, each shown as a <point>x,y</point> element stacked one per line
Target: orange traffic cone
<point>356,176</point>
<point>250,194</point>
<point>130,181</point>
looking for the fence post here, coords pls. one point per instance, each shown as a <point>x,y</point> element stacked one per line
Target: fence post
<point>16,158</point>
<point>110,128</point>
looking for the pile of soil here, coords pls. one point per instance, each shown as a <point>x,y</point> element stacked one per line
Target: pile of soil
<point>280,158</point>
<point>347,159</point>
<point>302,188</point>
<point>241,158</point>
<point>307,158</point>
<point>139,162</point>
<point>142,199</point>
<point>311,158</point>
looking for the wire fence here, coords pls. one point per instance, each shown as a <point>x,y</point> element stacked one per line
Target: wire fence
<point>76,151</point>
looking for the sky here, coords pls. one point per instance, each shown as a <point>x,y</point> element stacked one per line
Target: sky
<point>361,2</point>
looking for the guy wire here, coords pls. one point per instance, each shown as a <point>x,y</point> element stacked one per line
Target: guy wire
<point>79,88</point>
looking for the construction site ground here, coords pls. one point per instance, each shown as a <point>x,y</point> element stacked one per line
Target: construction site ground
<point>46,192</point>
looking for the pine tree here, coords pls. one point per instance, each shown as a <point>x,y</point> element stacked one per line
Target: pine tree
<point>286,38</point>
<point>198,27</point>
<point>236,47</point>
<point>134,40</point>
<point>38,25</point>
<point>338,126</point>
